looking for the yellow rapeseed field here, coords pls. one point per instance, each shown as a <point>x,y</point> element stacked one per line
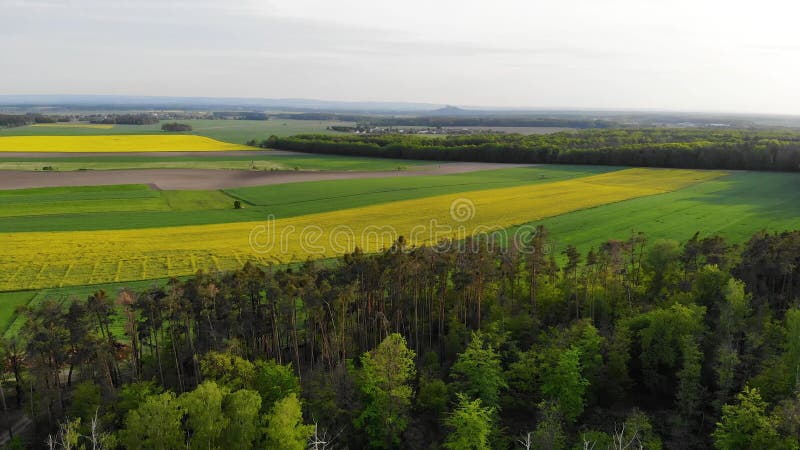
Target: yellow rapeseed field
<point>45,259</point>
<point>115,143</point>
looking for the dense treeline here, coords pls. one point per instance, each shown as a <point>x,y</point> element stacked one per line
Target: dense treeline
<point>18,120</point>
<point>176,126</point>
<point>240,115</point>
<point>658,147</point>
<point>634,344</point>
<point>15,120</point>
<point>128,119</point>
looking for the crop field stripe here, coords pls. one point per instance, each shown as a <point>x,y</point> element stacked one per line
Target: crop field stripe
<point>735,206</point>
<point>91,126</point>
<point>495,208</point>
<point>283,200</point>
<point>115,143</point>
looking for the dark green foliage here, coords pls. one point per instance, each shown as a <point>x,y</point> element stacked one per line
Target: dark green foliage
<point>650,147</point>
<point>128,119</point>
<point>661,340</point>
<point>176,127</point>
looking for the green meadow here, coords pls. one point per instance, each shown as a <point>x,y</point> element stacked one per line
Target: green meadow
<point>276,161</point>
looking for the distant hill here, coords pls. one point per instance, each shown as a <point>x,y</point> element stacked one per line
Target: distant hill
<point>452,111</point>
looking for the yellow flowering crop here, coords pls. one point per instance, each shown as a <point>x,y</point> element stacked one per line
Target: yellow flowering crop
<point>45,259</point>
<point>115,143</point>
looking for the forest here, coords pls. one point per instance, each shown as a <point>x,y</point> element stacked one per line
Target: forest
<point>688,148</point>
<point>127,119</point>
<point>176,127</point>
<point>470,344</point>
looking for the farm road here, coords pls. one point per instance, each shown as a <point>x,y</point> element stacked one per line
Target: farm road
<point>174,179</point>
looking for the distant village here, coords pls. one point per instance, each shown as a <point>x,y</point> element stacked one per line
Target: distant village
<point>379,130</point>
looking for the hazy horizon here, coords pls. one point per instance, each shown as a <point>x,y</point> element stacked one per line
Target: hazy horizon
<point>615,55</point>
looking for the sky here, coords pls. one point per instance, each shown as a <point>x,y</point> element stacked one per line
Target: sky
<point>681,55</point>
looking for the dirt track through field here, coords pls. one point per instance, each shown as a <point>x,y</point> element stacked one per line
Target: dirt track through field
<point>173,179</point>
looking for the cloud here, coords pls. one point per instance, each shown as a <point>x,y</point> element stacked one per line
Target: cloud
<point>600,53</point>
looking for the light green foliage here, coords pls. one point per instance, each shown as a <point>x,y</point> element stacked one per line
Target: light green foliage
<point>590,344</point>
<point>735,307</point>
<point>709,285</point>
<point>639,432</point>
<point>385,378</point>
<point>564,386</point>
<point>67,437</point>
<point>477,372</point>
<point>131,396</point>
<point>273,382</point>
<point>661,333</point>
<point>155,425</point>
<point>635,432</point>
<point>228,370</point>
<point>471,425</point>
<point>241,409</point>
<point>746,425</point>
<point>204,419</point>
<point>285,429</point>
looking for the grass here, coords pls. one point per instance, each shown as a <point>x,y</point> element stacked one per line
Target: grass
<point>236,131</point>
<point>47,259</point>
<point>11,323</point>
<point>114,143</point>
<point>735,206</point>
<point>282,201</point>
<point>85,202</point>
<point>278,161</point>
<point>9,301</point>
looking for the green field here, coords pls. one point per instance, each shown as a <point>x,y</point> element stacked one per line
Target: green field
<point>277,161</point>
<point>282,201</point>
<point>10,322</point>
<point>735,206</point>
<point>236,131</point>
<point>94,200</point>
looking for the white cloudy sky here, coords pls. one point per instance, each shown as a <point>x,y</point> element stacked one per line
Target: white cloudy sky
<point>701,55</point>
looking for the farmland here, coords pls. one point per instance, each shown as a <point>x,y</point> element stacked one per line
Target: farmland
<point>235,131</point>
<point>124,222</point>
<point>252,160</point>
<point>59,239</point>
<point>48,259</point>
<point>111,143</point>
